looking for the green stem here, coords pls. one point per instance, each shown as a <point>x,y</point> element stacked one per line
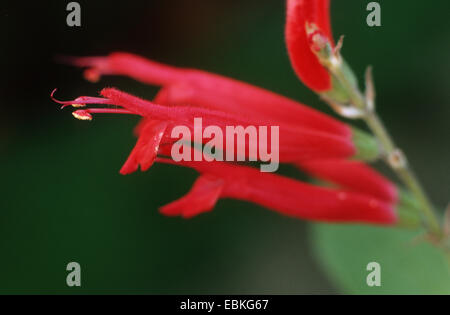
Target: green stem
<point>392,154</point>
<point>405,173</point>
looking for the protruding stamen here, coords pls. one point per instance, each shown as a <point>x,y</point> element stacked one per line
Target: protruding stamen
<point>85,114</point>
<point>64,103</point>
<point>81,101</point>
<point>108,111</point>
<point>82,115</point>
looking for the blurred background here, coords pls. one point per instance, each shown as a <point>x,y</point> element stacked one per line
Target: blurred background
<point>62,198</point>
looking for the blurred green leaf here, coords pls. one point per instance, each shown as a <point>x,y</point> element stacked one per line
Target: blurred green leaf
<point>406,267</point>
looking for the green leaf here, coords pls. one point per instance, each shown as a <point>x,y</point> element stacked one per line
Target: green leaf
<point>407,267</point>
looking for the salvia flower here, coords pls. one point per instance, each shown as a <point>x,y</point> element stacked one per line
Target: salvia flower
<point>202,89</point>
<point>319,145</point>
<point>353,175</point>
<point>284,195</point>
<point>301,15</point>
<point>295,143</point>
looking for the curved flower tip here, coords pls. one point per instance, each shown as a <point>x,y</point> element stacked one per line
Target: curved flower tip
<point>92,75</point>
<point>121,63</point>
<point>303,14</point>
<point>202,197</point>
<point>146,149</point>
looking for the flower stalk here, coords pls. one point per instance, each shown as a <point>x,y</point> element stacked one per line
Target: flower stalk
<point>357,105</point>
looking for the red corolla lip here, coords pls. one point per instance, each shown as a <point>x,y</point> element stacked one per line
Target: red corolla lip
<point>304,61</point>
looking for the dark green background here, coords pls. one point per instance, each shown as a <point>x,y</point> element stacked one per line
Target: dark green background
<point>63,200</point>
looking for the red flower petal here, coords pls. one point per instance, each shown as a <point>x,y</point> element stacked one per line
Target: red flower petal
<point>284,195</point>
<point>304,62</point>
<point>144,153</point>
<point>201,198</point>
<point>353,175</point>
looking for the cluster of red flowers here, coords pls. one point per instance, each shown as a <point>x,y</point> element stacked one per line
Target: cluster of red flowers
<point>318,144</point>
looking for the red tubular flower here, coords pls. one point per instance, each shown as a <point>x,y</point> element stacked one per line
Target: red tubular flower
<point>353,175</point>
<point>300,13</point>
<point>295,144</point>
<point>203,89</point>
<point>284,195</point>
<point>315,142</point>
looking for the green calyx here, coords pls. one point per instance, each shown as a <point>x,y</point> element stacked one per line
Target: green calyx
<point>367,147</point>
<point>408,210</point>
<point>339,93</point>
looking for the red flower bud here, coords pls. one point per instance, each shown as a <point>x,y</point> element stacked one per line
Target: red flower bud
<point>302,14</point>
